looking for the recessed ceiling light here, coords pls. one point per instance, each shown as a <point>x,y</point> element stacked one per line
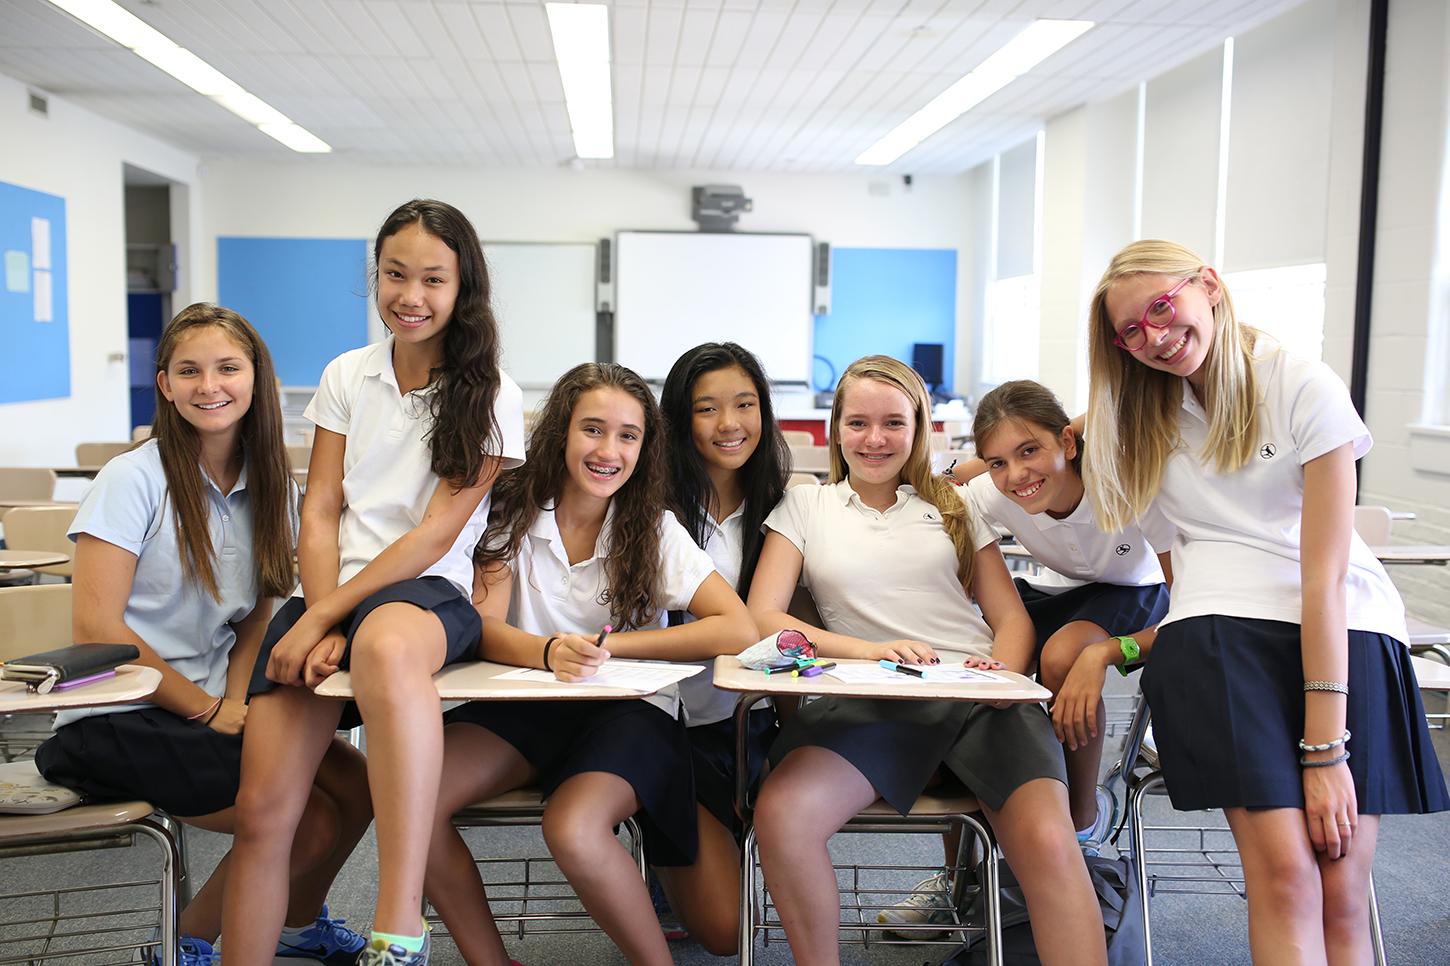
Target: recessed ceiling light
<point>1038,41</point>
<point>581,45</point>
<point>145,41</point>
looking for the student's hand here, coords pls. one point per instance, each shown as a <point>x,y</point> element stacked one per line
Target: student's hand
<point>323,661</point>
<point>287,659</point>
<point>1330,808</point>
<point>1075,708</point>
<point>575,657</point>
<point>229,718</point>
<point>988,664</point>
<point>902,652</point>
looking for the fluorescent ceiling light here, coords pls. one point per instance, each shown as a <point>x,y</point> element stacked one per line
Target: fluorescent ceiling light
<point>581,45</point>
<point>1040,40</point>
<point>146,42</point>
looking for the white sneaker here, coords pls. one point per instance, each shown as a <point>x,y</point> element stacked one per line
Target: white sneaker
<point>929,903</point>
<point>1092,837</point>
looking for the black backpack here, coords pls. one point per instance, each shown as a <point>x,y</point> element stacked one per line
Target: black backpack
<point>1118,897</point>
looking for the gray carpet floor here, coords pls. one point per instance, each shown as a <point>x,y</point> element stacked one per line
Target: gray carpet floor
<point>1412,875</point>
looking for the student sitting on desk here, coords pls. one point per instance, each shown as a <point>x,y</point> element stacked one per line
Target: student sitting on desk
<point>181,546</point>
<point>580,539</point>
<point>895,559</point>
<point>728,464</point>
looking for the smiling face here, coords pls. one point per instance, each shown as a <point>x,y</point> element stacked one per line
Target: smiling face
<point>606,430</point>
<point>1182,346</point>
<point>1032,467</point>
<point>209,380</point>
<point>725,418</point>
<point>417,284</point>
<point>875,431</point>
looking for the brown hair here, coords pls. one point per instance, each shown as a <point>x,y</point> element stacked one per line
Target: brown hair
<point>1133,408</point>
<point>1022,401</point>
<point>934,488</point>
<point>632,569</point>
<point>269,482</point>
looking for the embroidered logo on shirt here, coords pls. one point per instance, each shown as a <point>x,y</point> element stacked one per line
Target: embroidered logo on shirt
<point>928,515</point>
<point>1122,549</point>
<point>1267,451</point>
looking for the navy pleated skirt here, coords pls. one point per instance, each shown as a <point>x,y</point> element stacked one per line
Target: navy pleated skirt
<point>1227,696</point>
<point>1116,608</point>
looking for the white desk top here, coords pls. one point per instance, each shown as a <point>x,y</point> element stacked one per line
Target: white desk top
<point>1431,675</point>
<point>132,682</point>
<point>1413,554</point>
<point>478,680</point>
<point>17,559</point>
<point>731,675</point>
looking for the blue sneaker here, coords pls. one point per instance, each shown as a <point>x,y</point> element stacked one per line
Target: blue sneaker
<point>326,941</point>
<point>189,952</point>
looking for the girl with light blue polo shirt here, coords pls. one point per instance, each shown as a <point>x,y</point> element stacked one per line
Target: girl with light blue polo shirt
<point>180,546</point>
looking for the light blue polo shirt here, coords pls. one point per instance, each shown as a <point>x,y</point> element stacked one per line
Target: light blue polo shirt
<point>129,507</point>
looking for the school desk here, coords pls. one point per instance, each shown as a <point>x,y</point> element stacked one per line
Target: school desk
<point>479,681</point>
<point>132,682</point>
<point>1413,554</point>
<point>28,559</point>
<point>88,472</point>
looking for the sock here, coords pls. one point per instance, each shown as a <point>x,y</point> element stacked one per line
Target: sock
<point>412,944</point>
<point>290,934</point>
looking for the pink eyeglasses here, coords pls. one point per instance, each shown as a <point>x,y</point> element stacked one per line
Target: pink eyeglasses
<point>1159,315</point>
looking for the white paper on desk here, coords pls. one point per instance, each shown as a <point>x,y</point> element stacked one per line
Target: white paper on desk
<point>964,674</point>
<point>876,674</point>
<point>642,676</point>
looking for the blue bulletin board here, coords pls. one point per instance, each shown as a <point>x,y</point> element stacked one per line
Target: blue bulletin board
<point>34,302</point>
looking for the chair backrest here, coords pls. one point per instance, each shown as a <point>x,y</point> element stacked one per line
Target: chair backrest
<point>140,434</point>
<point>34,618</point>
<point>1372,523</point>
<point>42,528</point>
<point>798,437</point>
<point>99,454</point>
<point>27,483</point>
<point>298,457</point>
<point>810,459</point>
<point>801,479</point>
<point>940,441</point>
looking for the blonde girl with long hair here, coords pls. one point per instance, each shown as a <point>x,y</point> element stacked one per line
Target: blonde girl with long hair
<point>896,561</point>
<point>1280,686</point>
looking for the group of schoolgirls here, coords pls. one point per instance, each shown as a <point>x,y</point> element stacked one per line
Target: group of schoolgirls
<point>430,534</point>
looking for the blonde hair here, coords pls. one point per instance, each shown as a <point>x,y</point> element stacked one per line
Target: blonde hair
<point>1133,408</point>
<point>931,487</point>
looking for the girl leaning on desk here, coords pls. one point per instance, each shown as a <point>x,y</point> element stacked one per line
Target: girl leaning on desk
<point>181,546</point>
<point>894,559</point>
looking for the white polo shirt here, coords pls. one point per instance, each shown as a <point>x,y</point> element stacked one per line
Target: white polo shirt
<point>1237,549</point>
<point>387,476</point>
<point>884,576</point>
<point>551,596</point>
<point>1073,548</point>
<point>130,506</point>
<point>724,542</point>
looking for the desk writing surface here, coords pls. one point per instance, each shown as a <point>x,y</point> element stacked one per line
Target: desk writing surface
<point>731,675</point>
<point>478,680</point>
<point>1412,554</point>
<point>132,682</point>
<point>21,559</point>
<point>1431,675</point>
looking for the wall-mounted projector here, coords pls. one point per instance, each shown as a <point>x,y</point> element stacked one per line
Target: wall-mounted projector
<point>717,207</point>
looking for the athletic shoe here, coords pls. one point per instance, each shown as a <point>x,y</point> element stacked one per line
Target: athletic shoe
<point>326,941</point>
<point>379,953</point>
<point>929,904</point>
<point>1092,837</point>
<point>189,952</point>
<point>670,923</point>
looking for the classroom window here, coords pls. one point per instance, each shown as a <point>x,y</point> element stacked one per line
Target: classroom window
<point>1287,303</point>
<point>1012,338</point>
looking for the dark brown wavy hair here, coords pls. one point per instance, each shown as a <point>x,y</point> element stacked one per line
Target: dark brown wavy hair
<point>463,433</point>
<point>1025,401</point>
<point>632,570</point>
<point>269,482</point>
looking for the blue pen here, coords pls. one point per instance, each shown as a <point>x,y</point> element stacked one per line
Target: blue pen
<point>893,666</point>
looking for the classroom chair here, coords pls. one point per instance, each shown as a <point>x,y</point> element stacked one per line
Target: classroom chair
<point>99,454</point>
<point>801,479</point>
<point>869,889</point>
<point>29,483</point>
<point>1195,859</point>
<point>798,437</point>
<point>139,434</point>
<point>811,459</point>
<point>1373,524</point>
<point>37,619</point>
<point>298,457</point>
<point>42,528</point>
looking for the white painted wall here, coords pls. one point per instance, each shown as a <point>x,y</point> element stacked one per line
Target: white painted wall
<point>78,156</point>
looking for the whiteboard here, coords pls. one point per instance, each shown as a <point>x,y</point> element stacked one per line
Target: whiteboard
<point>543,297</point>
<point>674,290</point>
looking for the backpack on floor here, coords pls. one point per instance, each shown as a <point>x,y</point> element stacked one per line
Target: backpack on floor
<point>1118,898</point>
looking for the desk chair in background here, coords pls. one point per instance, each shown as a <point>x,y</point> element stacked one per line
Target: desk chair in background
<point>42,528</point>
<point>99,454</point>
<point>47,924</point>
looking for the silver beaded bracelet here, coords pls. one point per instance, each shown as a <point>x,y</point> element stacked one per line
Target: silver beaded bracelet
<point>1306,763</point>
<point>1334,686</point>
<point>1327,745</point>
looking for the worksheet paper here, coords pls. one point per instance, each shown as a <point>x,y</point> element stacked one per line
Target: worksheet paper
<point>876,674</point>
<point>644,677</point>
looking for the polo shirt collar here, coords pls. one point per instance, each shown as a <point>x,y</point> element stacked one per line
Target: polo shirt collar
<point>379,363</point>
<point>846,495</point>
<point>546,527</point>
<point>238,487</point>
<point>1191,405</point>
